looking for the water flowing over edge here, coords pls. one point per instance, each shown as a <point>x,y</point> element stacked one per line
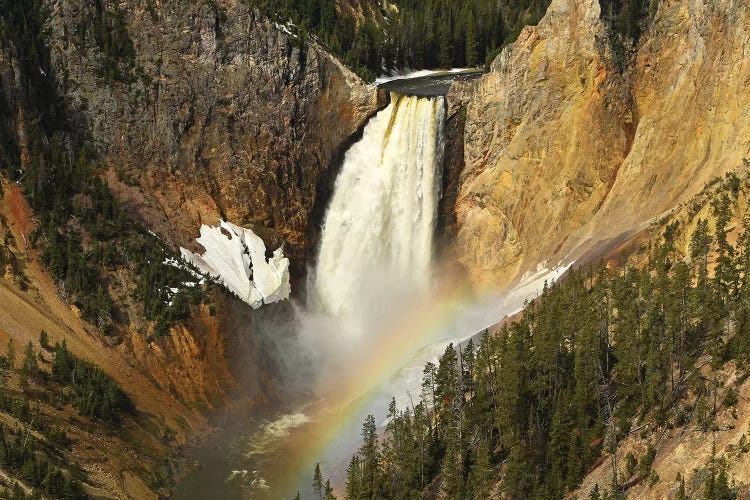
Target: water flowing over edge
<point>377,234</point>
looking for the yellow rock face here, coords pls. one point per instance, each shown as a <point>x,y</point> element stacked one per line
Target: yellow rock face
<point>564,153</point>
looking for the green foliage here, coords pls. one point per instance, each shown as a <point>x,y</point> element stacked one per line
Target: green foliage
<point>95,395</point>
<point>105,28</point>
<point>318,481</point>
<point>730,398</point>
<point>166,287</point>
<point>420,34</point>
<point>23,454</point>
<point>644,466</point>
<point>553,390</point>
<point>328,491</point>
<point>630,464</point>
<point>44,340</point>
<point>10,354</point>
<point>717,485</point>
<point>39,462</point>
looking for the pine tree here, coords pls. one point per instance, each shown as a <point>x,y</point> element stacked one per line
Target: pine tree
<point>551,392</point>
<point>699,247</point>
<point>29,366</point>
<point>681,494</point>
<point>447,385</point>
<point>370,459</point>
<point>317,483</point>
<point>44,340</point>
<point>10,354</point>
<point>453,483</point>
<point>480,475</point>
<point>328,490</point>
<point>472,46</point>
<point>354,478</point>
<point>725,274</point>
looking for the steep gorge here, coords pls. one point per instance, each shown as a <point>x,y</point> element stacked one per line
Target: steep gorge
<point>229,116</point>
<point>560,152</point>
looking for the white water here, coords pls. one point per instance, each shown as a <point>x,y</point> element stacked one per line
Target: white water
<point>377,234</point>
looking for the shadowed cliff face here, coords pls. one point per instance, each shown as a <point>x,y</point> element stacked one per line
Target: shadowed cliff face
<point>562,148</point>
<point>226,115</point>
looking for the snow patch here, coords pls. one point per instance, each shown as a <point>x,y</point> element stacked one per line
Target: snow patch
<point>237,258</point>
<point>286,28</point>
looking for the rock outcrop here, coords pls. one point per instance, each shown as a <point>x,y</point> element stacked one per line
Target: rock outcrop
<point>568,150</point>
<point>225,115</point>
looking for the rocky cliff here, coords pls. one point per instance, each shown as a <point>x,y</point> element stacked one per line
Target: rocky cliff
<point>571,146</point>
<point>214,112</point>
<point>204,111</point>
<point>221,114</point>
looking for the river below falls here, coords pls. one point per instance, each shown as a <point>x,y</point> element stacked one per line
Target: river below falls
<point>273,458</point>
<point>232,464</point>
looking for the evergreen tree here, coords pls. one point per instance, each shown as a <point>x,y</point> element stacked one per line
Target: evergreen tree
<point>725,273</point>
<point>329,491</point>
<point>44,340</point>
<point>480,475</point>
<point>552,391</point>
<point>10,354</point>
<point>354,478</point>
<point>453,483</point>
<point>370,459</point>
<point>681,493</point>
<point>699,248</point>
<point>318,482</point>
<point>29,366</point>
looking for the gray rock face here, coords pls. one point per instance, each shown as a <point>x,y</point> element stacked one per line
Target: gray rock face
<point>225,115</point>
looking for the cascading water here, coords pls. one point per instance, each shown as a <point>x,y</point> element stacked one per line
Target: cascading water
<point>376,249</point>
<point>378,229</point>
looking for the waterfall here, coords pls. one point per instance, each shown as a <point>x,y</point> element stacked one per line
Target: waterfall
<point>378,230</point>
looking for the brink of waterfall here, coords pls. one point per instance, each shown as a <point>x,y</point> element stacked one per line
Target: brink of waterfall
<point>378,229</point>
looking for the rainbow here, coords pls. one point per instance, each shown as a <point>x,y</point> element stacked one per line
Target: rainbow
<point>351,396</point>
<point>353,393</point>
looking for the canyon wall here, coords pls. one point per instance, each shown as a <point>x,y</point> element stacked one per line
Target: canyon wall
<point>223,114</point>
<point>203,111</point>
<point>571,146</point>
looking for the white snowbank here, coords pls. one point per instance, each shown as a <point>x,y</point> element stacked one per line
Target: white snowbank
<point>237,257</point>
